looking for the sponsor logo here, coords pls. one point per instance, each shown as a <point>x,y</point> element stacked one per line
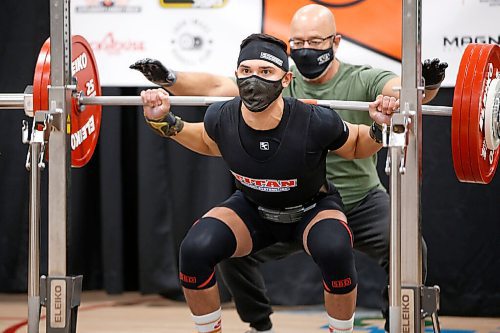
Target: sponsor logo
<point>271,58</point>
<point>266,185</point>
<point>405,312</point>
<point>79,64</point>
<point>187,278</point>
<point>83,133</point>
<point>492,74</point>
<point>107,6</point>
<point>192,43</point>
<point>338,3</point>
<point>111,45</point>
<point>264,146</point>
<point>366,325</point>
<point>491,3</point>
<point>58,304</point>
<point>407,319</point>
<point>323,58</point>
<point>341,283</point>
<point>193,3</point>
<point>460,41</point>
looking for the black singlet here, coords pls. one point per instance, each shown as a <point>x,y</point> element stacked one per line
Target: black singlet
<point>291,169</point>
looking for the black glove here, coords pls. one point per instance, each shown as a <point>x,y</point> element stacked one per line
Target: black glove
<point>433,71</point>
<point>155,72</point>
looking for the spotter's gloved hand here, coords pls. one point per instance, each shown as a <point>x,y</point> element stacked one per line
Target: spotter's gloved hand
<point>155,72</point>
<point>433,71</point>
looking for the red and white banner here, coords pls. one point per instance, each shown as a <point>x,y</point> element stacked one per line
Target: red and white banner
<point>204,35</point>
<point>201,35</point>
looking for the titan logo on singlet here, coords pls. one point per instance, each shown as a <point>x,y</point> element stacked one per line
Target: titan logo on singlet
<point>83,133</point>
<point>266,185</point>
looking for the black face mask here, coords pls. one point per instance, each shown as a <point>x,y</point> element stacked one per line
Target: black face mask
<point>258,93</point>
<point>311,63</point>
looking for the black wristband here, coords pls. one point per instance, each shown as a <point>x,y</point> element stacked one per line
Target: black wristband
<point>433,86</point>
<point>376,132</point>
<point>169,126</point>
<point>170,79</point>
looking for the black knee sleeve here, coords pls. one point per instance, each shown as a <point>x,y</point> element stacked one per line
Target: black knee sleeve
<point>207,243</point>
<point>330,244</point>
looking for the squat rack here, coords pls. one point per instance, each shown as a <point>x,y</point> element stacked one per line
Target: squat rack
<point>409,300</point>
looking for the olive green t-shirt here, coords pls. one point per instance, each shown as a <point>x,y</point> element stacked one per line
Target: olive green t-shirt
<point>354,179</point>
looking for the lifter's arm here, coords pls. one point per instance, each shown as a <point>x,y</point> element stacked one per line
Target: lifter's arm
<point>191,135</point>
<point>360,144</point>
<point>186,83</point>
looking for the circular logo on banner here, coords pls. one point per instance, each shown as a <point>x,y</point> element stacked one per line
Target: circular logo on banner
<point>192,43</point>
<point>338,3</point>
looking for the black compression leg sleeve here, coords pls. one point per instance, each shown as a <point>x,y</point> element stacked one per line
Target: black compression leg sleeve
<point>207,243</point>
<point>330,244</point>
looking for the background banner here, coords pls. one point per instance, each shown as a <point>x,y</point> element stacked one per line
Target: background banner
<point>204,35</point>
<point>448,26</point>
<point>183,35</point>
<point>370,29</point>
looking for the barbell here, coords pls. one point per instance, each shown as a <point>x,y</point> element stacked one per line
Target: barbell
<point>475,116</point>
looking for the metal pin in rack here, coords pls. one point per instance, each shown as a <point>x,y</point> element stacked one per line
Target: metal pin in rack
<point>395,136</point>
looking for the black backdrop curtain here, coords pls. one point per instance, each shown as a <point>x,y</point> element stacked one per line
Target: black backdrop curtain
<point>135,200</point>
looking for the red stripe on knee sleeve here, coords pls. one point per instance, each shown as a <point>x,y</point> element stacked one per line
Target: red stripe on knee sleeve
<point>326,287</point>
<point>207,281</point>
<point>348,230</point>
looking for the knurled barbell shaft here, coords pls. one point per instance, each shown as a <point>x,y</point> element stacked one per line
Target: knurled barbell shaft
<point>204,101</point>
<point>137,100</point>
<point>16,101</point>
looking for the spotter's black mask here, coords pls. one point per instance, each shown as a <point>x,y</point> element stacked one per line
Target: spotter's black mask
<point>311,63</point>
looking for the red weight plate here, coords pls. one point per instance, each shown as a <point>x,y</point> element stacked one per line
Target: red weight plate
<point>41,81</point>
<point>455,117</point>
<point>45,82</point>
<point>475,110</point>
<point>39,72</point>
<point>467,95</point>
<point>459,133</point>
<point>85,125</point>
<point>483,161</point>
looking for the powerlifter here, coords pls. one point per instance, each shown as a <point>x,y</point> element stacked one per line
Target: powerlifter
<point>276,150</point>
